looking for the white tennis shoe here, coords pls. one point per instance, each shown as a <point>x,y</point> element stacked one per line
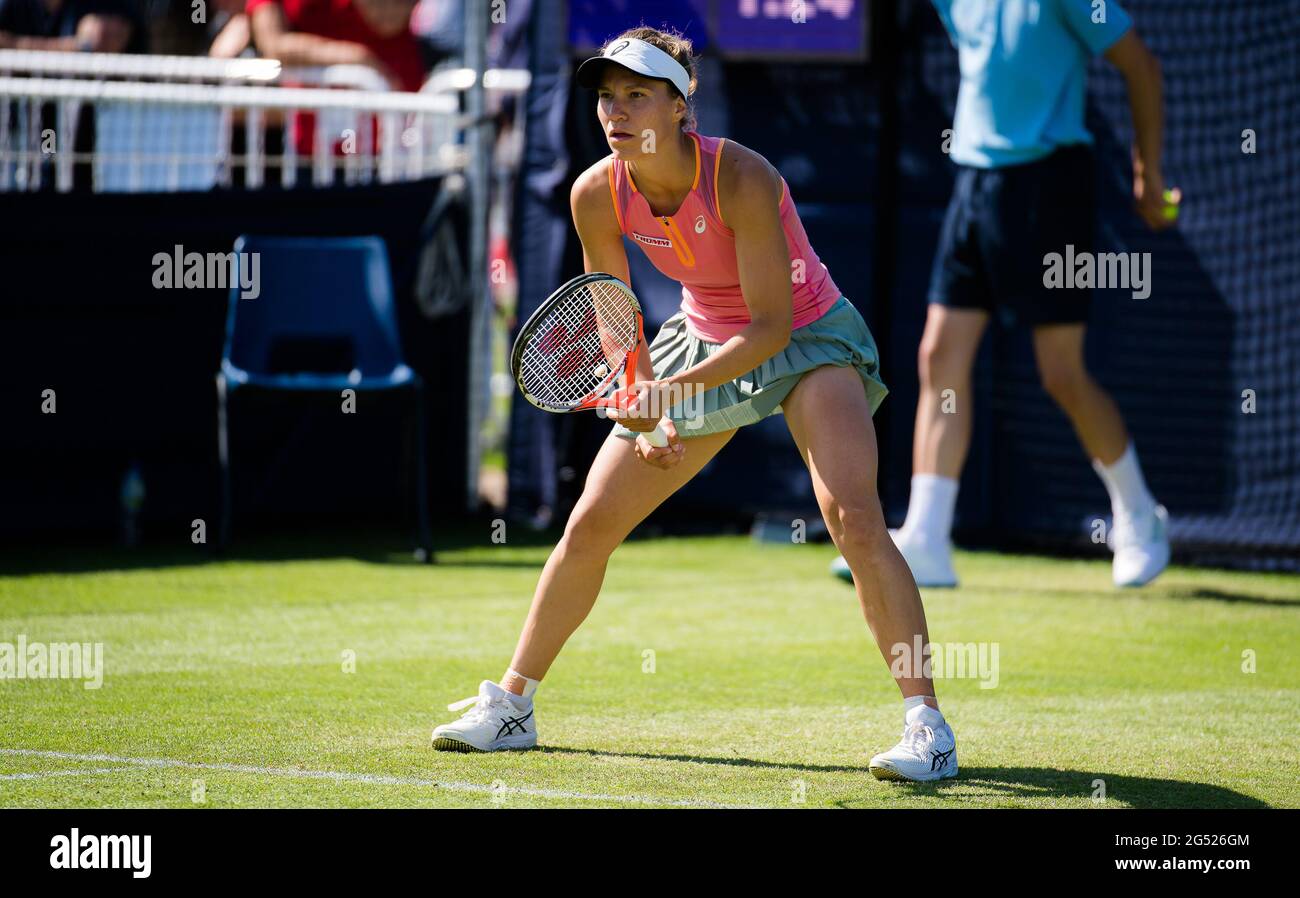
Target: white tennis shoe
<point>930,562</point>
<point>923,755</point>
<point>1141,547</point>
<point>492,724</point>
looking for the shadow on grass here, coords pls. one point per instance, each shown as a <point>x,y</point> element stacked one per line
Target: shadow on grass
<point>1046,783</point>
<point>701,759</point>
<point>1219,595</point>
<point>364,542</point>
<point>1186,593</point>
<point>998,782</point>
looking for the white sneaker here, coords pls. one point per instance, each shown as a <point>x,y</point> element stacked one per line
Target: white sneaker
<point>931,563</point>
<point>923,755</point>
<point>1141,547</point>
<point>493,724</point>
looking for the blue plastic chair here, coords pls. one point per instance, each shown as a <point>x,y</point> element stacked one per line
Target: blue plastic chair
<point>311,293</point>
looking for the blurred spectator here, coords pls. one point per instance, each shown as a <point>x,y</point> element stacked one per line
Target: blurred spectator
<point>235,37</point>
<point>440,26</point>
<point>374,33</point>
<point>217,28</point>
<point>97,26</point>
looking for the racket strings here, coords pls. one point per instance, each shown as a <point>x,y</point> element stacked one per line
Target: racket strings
<point>580,346</point>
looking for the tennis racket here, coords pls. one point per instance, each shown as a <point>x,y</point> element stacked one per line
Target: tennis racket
<point>571,351</point>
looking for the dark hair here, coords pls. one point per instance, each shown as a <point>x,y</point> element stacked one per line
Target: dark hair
<point>679,47</point>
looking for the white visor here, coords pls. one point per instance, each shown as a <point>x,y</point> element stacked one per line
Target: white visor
<point>637,56</point>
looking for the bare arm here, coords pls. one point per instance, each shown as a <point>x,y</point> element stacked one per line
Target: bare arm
<point>232,39</point>
<point>23,42</point>
<point>1142,76</point>
<point>272,37</point>
<point>95,33</point>
<point>749,195</point>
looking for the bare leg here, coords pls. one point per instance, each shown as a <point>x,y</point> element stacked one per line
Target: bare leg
<point>944,361</point>
<point>830,420</point>
<point>1096,419</point>
<point>620,492</point>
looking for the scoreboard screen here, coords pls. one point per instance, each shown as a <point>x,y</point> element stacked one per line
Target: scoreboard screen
<point>832,29</point>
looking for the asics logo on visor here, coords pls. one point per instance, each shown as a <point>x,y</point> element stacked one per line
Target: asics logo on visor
<point>618,48</point>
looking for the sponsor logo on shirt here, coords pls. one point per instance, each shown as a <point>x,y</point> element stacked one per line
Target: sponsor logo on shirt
<point>652,241</point>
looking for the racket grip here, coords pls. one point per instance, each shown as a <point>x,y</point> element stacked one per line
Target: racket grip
<point>657,437</point>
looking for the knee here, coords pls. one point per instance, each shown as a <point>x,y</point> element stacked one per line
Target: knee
<point>589,535</point>
<point>1066,384</point>
<point>858,527</point>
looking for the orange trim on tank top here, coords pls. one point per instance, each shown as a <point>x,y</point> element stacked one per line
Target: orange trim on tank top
<point>717,201</point>
<point>696,183</point>
<point>680,246</point>
<point>614,195</point>
<point>717,162</point>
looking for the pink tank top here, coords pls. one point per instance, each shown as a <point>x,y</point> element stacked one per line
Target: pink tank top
<point>694,247</point>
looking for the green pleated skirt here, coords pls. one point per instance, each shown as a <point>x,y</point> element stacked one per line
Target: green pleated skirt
<point>840,337</point>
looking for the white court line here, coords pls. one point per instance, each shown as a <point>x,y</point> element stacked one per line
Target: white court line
<point>368,778</point>
<point>44,773</point>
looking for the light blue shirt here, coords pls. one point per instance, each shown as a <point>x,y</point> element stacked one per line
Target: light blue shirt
<point>1024,67</point>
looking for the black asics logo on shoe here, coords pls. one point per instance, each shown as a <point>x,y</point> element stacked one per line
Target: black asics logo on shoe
<point>510,725</point>
<point>940,758</point>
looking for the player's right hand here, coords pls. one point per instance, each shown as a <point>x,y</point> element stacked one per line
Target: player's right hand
<point>663,457</point>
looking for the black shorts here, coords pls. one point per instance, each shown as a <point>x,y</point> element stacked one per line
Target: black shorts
<point>1000,226</point>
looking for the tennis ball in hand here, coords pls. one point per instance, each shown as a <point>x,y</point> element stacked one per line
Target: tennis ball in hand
<point>1172,199</point>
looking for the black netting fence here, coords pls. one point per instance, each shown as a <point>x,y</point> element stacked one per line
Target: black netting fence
<point>1207,368</point>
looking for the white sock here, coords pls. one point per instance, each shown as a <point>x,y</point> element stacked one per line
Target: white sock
<point>524,701</point>
<point>1129,496</point>
<point>915,709</point>
<point>930,508</point>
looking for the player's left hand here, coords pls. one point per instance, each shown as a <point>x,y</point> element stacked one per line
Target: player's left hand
<point>663,457</point>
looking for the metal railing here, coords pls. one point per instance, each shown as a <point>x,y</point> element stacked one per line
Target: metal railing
<point>166,123</point>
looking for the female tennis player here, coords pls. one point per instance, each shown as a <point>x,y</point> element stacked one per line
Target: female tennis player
<point>762,328</point>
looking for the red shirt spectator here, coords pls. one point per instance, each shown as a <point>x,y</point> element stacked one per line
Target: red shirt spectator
<point>374,33</point>
<point>378,26</point>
